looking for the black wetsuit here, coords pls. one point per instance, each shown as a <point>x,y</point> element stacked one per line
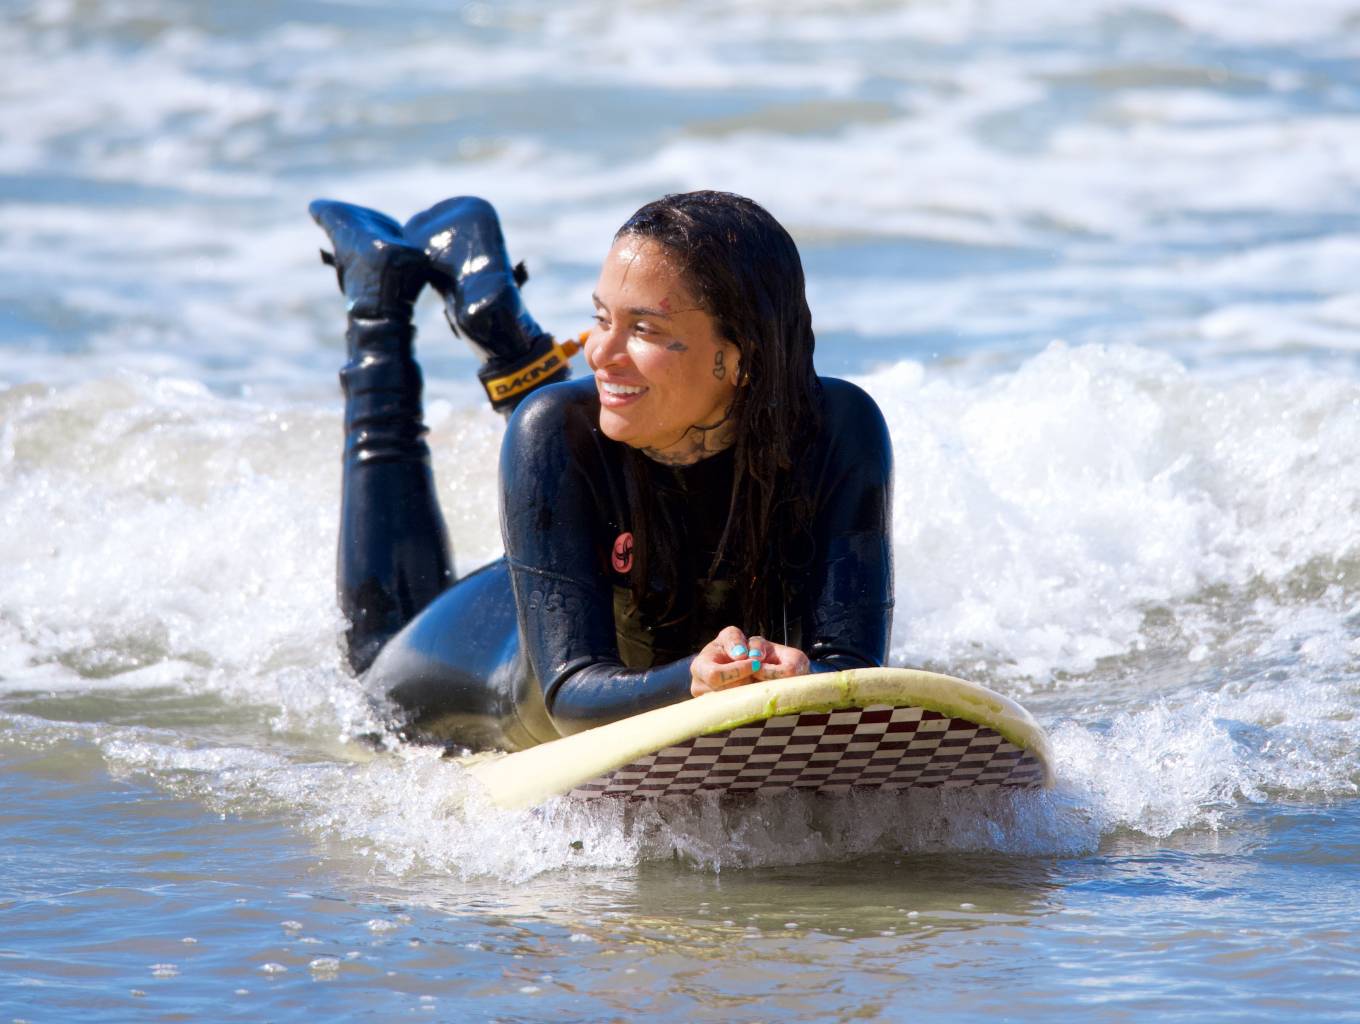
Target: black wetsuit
<point>543,643</point>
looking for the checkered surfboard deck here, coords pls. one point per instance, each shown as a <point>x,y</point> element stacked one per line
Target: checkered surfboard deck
<point>831,733</point>
<point>876,747</point>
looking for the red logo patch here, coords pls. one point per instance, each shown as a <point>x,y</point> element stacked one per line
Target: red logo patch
<point>622,555</point>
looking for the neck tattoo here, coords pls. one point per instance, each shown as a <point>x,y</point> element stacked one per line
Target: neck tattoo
<point>698,442</point>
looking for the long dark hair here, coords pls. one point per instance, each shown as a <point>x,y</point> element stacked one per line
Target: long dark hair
<point>744,270</point>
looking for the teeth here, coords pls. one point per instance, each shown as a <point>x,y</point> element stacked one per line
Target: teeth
<point>621,389</point>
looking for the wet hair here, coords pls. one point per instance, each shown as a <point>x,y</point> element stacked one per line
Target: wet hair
<point>743,268</point>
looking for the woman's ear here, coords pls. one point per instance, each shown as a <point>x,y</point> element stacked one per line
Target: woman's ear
<point>740,376</point>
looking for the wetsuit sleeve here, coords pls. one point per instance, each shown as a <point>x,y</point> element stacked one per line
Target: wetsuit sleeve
<point>556,513</point>
<point>848,603</point>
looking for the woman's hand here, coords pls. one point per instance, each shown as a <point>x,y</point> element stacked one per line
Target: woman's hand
<point>733,659</point>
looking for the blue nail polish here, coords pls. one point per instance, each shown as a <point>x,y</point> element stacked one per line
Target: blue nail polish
<point>737,650</point>
<point>755,666</point>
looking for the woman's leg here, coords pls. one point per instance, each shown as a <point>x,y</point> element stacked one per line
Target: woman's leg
<point>393,557</point>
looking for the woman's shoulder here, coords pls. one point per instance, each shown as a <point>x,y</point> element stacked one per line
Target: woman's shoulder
<point>850,416</point>
<point>842,393</point>
<point>561,402</point>
<point>558,412</point>
<point>554,438</point>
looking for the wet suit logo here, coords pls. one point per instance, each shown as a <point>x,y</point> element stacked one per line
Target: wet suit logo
<point>622,555</point>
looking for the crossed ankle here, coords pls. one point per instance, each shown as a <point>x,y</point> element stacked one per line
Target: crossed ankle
<point>509,382</point>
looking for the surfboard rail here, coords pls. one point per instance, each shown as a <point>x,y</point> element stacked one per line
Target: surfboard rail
<point>529,777</point>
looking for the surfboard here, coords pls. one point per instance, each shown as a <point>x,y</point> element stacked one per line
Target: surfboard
<point>875,728</point>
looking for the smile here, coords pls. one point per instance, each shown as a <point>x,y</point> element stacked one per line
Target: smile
<point>621,389</point>
<point>616,396</point>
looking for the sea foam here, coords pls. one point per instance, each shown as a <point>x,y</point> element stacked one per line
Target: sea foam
<point>1100,529</point>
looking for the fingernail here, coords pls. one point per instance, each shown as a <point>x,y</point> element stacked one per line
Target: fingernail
<point>756,652</point>
<point>737,650</point>
<point>755,666</point>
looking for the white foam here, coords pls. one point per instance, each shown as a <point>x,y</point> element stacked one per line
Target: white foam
<point>1051,519</point>
<point>1040,514</point>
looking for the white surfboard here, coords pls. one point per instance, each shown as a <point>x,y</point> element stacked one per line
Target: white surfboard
<point>878,728</point>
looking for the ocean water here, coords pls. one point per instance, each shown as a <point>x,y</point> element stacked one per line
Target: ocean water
<point>1098,264</point>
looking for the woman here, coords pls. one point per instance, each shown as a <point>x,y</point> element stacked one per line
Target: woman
<point>703,513</point>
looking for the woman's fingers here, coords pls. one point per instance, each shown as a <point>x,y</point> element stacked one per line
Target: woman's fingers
<point>733,659</point>
<point>722,663</point>
<point>707,675</point>
<point>781,662</point>
<point>756,650</point>
<point>732,643</point>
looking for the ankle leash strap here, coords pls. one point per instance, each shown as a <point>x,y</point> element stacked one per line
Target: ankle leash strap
<point>508,386</point>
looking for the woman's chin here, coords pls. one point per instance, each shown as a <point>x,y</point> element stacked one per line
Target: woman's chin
<point>618,428</point>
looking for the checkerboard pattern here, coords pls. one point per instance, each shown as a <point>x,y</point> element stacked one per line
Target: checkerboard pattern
<point>875,747</point>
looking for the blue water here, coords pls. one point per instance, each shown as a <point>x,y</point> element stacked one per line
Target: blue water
<point>1097,264</point>
<point>1263,911</point>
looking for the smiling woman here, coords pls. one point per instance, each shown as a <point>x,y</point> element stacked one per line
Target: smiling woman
<point>706,512</point>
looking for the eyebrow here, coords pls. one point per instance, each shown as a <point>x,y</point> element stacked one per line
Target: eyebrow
<point>638,310</point>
